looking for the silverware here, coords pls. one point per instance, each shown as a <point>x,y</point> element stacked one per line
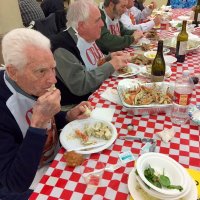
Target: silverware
<point>87,147</point>
<point>150,140</point>
<point>129,137</point>
<point>109,167</point>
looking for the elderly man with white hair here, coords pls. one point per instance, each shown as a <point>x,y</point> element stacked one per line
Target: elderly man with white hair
<point>81,66</point>
<point>30,112</point>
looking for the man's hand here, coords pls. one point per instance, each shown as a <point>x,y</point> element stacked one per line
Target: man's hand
<point>117,53</point>
<point>137,35</point>
<point>46,107</point>
<point>157,20</point>
<point>120,61</point>
<point>79,111</point>
<point>152,5</point>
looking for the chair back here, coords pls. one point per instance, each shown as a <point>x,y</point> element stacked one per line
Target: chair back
<point>46,26</point>
<point>61,20</point>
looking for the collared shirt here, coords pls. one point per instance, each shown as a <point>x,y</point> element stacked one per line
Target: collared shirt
<point>30,11</point>
<point>132,18</point>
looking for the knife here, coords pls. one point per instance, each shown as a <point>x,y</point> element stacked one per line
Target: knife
<point>129,137</point>
<point>87,147</point>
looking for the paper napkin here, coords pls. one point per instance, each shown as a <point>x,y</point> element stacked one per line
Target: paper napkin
<point>103,113</point>
<point>111,95</point>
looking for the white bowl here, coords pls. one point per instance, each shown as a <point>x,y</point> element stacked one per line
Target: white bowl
<point>150,54</point>
<point>159,195</point>
<point>169,59</point>
<point>172,169</point>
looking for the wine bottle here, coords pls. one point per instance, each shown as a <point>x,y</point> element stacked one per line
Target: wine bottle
<point>158,66</point>
<point>181,44</point>
<point>196,20</point>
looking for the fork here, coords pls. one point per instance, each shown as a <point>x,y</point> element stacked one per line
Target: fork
<point>110,168</point>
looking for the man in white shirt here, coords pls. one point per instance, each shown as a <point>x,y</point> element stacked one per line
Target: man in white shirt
<point>133,17</point>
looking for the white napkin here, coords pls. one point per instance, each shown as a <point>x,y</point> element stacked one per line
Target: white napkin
<point>111,95</point>
<point>167,134</point>
<point>103,113</point>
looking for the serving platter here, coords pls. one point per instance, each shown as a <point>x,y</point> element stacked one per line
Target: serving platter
<point>127,84</point>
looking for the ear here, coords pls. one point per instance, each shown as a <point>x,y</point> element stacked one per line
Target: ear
<point>12,72</point>
<point>81,25</point>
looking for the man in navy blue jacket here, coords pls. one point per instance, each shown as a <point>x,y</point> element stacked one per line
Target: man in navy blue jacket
<point>30,112</point>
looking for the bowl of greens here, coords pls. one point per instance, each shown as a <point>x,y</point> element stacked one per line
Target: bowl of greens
<point>162,174</point>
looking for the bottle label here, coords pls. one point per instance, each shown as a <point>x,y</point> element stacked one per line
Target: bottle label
<point>182,48</point>
<point>157,78</point>
<point>182,99</point>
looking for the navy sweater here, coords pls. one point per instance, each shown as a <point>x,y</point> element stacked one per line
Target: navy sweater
<point>19,157</point>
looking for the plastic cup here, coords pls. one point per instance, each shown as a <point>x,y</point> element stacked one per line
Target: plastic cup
<point>91,171</point>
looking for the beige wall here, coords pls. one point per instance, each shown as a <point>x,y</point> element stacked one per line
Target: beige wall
<point>10,18</point>
<point>159,2</point>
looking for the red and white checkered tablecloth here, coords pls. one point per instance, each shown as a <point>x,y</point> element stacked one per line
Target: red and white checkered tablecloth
<point>62,182</point>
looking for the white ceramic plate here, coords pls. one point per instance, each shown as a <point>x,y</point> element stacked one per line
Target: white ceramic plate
<point>194,113</point>
<point>144,72</point>
<point>176,173</point>
<point>168,58</point>
<point>69,142</point>
<point>184,17</point>
<point>192,45</point>
<point>139,194</point>
<point>190,36</point>
<point>165,50</point>
<point>135,69</point>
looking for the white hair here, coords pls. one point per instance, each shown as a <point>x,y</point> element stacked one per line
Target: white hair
<point>16,41</point>
<point>79,11</point>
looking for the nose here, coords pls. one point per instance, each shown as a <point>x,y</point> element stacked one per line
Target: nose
<point>52,77</point>
<point>101,23</point>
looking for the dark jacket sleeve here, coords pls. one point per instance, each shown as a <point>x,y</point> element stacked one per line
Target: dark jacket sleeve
<point>60,119</point>
<point>19,158</point>
<point>109,42</point>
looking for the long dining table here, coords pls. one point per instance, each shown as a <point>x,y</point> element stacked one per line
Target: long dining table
<point>63,182</point>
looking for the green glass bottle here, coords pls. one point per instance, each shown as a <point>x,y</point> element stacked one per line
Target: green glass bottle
<point>158,66</point>
<point>181,44</point>
<point>196,20</point>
